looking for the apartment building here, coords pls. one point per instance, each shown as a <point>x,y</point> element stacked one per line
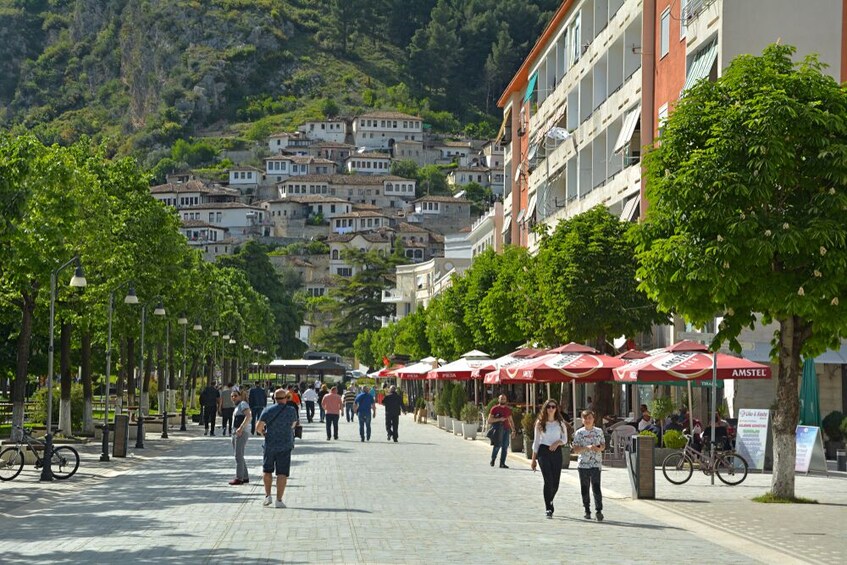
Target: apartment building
<point>380,130</point>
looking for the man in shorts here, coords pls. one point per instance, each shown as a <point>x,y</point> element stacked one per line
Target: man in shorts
<point>277,425</point>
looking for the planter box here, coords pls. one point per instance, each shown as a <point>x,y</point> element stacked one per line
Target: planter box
<point>469,431</point>
<point>528,449</point>
<point>457,427</point>
<point>516,443</point>
<point>448,424</point>
<point>440,420</point>
<point>566,456</point>
<point>660,453</point>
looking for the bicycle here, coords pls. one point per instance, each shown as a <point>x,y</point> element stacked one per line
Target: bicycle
<point>730,467</point>
<point>64,460</point>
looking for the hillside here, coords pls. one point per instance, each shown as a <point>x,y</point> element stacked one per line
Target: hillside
<point>143,74</point>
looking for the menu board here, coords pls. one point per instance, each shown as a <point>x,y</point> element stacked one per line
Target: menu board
<point>751,436</point>
<point>810,453</point>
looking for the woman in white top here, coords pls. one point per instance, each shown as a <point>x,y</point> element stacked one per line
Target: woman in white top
<point>550,435</point>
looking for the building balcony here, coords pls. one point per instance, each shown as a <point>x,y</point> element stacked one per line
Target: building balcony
<point>393,296</point>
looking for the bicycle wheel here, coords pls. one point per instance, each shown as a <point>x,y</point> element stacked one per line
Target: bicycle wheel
<point>677,468</point>
<point>11,463</point>
<point>731,469</point>
<point>64,462</point>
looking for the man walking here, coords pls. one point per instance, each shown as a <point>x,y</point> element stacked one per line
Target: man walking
<point>393,405</point>
<point>501,417</point>
<point>258,400</point>
<point>309,398</point>
<point>349,402</point>
<point>331,404</point>
<point>210,402</point>
<point>227,409</point>
<point>364,405</point>
<point>277,425</point>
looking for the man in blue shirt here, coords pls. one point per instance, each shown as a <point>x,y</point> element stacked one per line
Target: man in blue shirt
<point>364,405</point>
<point>277,425</point>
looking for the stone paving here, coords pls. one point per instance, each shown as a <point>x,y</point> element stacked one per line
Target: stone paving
<point>430,498</point>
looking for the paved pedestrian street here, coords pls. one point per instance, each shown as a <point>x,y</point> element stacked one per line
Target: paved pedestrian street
<point>431,498</point>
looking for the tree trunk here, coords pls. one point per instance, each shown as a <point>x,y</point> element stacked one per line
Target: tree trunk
<point>192,393</point>
<point>224,370</point>
<point>87,392</point>
<point>172,384</point>
<point>793,332</point>
<point>603,401</point>
<point>145,384</point>
<point>27,305</point>
<point>67,379</point>
<point>128,374</point>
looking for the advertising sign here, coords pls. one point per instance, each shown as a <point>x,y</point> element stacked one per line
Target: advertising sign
<point>810,453</point>
<point>751,436</point>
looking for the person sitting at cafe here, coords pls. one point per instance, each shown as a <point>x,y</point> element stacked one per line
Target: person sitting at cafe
<point>646,423</point>
<point>721,433</point>
<point>674,424</point>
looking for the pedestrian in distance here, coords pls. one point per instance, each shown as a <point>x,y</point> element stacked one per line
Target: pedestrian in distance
<point>393,405</point>
<point>277,424</point>
<point>309,399</point>
<point>349,402</point>
<point>321,393</point>
<point>258,400</point>
<point>550,434</point>
<point>210,402</point>
<point>227,410</point>
<point>364,406</point>
<point>500,416</point>
<point>294,397</point>
<point>331,404</point>
<point>589,443</point>
<point>241,416</point>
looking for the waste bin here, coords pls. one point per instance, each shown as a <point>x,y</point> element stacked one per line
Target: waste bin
<point>841,460</point>
<point>121,435</point>
<point>642,473</point>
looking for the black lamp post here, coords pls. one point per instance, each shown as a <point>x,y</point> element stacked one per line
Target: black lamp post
<point>130,298</point>
<point>77,281</point>
<point>158,311</point>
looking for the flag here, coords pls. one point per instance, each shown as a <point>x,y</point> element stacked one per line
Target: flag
<point>385,361</point>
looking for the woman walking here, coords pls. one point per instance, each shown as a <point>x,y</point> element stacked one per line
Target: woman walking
<point>550,435</point>
<point>241,418</point>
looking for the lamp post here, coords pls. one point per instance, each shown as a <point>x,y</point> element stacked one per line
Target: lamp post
<point>130,298</point>
<point>163,406</point>
<point>224,340</point>
<point>158,311</point>
<point>215,333</point>
<point>183,321</point>
<point>77,281</point>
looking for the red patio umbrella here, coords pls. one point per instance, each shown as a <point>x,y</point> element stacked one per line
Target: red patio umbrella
<point>415,371</point>
<point>632,355</point>
<point>458,370</point>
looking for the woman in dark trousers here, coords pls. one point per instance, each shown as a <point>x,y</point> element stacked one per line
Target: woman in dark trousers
<point>550,434</point>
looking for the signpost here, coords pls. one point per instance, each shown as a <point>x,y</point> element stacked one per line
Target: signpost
<point>810,453</point>
<point>707,337</point>
<point>751,436</point>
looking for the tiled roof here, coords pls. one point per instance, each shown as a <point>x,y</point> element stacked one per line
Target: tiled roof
<point>362,214</point>
<point>446,199</point>
<point>391,115</point>
<point>331,145</point>
<point>470,170</point>
<point>346,180</point>
<point>220,206</point>
<point>362,206</point>
<point>370,236</point>
<point>200,224</point>
<point>245,168</point>
<point>463,144</point>
<point>190,186</point>
<point>370,155</point>
<point>311,199</point>
<point>406,227</point>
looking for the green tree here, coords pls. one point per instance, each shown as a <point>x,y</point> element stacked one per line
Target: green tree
<point>746,198</point>
<point>431,181</point>
<point>587,270</point>
<point>411,337</point>
<point>505,303</point>
<point>404,168</point>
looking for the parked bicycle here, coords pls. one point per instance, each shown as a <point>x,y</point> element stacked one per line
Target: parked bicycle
<point>730,467</point>
<point>64,460</point>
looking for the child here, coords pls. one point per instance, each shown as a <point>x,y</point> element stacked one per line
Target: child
<point>589,443</point>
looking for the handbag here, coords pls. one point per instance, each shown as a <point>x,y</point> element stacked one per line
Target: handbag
<point>298,431</point>
<point>495,434</point>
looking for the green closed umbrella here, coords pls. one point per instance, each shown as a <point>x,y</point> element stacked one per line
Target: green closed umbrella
<point>810,406</point>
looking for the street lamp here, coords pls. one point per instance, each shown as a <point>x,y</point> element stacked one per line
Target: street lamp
<point>77,281</point>
<point>183,321</point>
<point>130,298</point>
<point>163,406</point>
<point>159,311</point>
<point>224,341</point>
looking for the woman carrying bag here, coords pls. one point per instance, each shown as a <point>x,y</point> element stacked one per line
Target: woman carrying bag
<point>550,435</point>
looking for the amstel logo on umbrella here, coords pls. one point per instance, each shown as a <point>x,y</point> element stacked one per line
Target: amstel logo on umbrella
<point>688,361</point>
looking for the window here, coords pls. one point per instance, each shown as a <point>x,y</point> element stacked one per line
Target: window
<point>665,33</point>
<point>345,272</point>
<point>335,254</point>
<point>663,116</point>
<point>683,16</point>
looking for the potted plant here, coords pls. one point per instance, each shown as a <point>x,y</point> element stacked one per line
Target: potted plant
<point>528,427</point>
<point>441,409</point>
<point>673,440</point>
<point>566,456</point>
<point>457,402</point>
<point>660,410</point>
<point>470,420</point>
<point>420,410</point>
<point>516,440</point>
<point>446,396</point>
<point>831,425</point>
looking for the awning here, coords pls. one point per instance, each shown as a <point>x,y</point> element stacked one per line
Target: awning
<point>701,65</point>
<point>630,208</point>
<point>531,86</point>
<point>530,210</point>
<point>533,151</point>
<point>507,223</point>
<point>502,131</point>
<point>629,123</point>
<point>520,216</point>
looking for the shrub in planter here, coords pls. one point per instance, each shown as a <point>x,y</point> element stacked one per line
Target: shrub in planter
<point>458,398</point>
<point>517,437</point>
<point>844,427</point>
<point>831,425</point>
<point>660,409</point>
<point>651,434</point>
<point>470,414</point>
<point>77,404</point>
<point>673,439</point>
<point>528,428</point>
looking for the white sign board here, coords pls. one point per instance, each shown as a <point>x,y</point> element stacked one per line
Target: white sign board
<point>751,436</point>
<point>810,453</point>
